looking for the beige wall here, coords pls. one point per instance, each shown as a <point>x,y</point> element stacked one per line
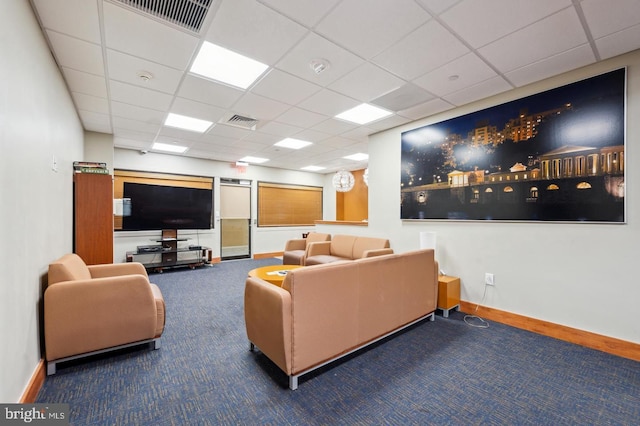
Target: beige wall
<point>37,124</point>
<point>578,275</point>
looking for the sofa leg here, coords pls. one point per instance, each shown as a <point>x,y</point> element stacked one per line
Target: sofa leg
<point>51,368</point>
<point>293,382</point>
<point>432,317</point>
<point>252,347</point>
<point>156,344</point>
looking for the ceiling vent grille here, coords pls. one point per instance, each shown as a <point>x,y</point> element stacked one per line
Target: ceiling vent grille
<point>240,121</point>
<point>187,14</point>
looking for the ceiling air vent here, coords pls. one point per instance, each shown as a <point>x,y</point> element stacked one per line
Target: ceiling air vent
<point>240,121</point>
<point>188,14</point>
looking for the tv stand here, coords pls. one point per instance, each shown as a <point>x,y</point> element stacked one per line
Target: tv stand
<point>170,255</point>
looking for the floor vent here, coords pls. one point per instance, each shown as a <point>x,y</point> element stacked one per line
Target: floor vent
<point>240,121</point>
<point>187,14</point>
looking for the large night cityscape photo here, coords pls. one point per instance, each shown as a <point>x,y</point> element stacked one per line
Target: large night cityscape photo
<point>553,156</point>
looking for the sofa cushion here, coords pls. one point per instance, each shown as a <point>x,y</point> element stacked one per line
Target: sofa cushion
<point>313,237</point>
<point>293,257</point>
<point>342,246</point>
<point>362,244</point>
<point>321,259</point>
<point>69,267</point>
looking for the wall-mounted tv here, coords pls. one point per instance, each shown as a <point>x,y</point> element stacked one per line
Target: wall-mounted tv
<point>156,207</point>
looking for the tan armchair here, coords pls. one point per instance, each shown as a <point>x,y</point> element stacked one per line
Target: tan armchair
<point>295,250</point>
<point>90,309</point>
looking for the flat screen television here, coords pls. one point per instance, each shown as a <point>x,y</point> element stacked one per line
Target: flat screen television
<point>157,207</point>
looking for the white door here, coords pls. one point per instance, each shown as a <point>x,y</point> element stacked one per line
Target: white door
<point>235,221</point>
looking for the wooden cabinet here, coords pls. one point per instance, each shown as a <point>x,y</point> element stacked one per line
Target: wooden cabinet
<point>448,294</point>
<point>93,217</point>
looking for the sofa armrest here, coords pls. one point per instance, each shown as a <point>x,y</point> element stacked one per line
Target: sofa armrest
<point>117,269</point>
<point>318,248</point>
<point>87,315</point>
<point>267,315</point>
<point>377,252</point>
<point>299,244</point>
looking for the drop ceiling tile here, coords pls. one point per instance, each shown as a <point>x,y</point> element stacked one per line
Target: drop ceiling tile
<point>469,69</point>
<point>605,18</point>
<point>555,34</point>
<point>141,36</point>
<point>175,135</point>
<point>195,109</point>
<point>97,127</point>
<point>125,124</point>
<point>478,91</point>
<point>135,95</point>
<point>359,134</point>
<point>387,123</point>
<point>280,129</point>
<point>329,103</point>
<point>313,46</point>
<point>482,22</point>
<point>366,82</point>
<point>403,98</point>
<point>554,65</point>
<point>86,83</point>
<point>131,143</point>
<point>426,109</point>
<point>90,103</point>
<point>300,117</point>
<point>259,107</point>
<point>307,12</point>
<point>262,137</point>
<point>77,18</point>
<point>132,134</point>
<point>119,109</point>
<point>208,92</point>
<point>338,142</point>
<point>364,36</point>
<point>254,30</point>
<point>127,68</point>
<point>311,135</point>
<point>438,6</point>
<point>284,87</point>
<point>77,54</point>
<point>95,119</point>
<point>436,47</point>
<point>225,131</point>
<point>334,126</point>
<point>619,43</point>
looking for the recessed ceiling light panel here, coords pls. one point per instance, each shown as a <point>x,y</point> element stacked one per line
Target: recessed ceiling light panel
<point>225,66</point>
<point>292,143</point>
<point>187,123</point>
<point>257,160</point>
<point>177,149</point>
<point>363,114</point>
<point>357,157</point>
<point>312,168</point>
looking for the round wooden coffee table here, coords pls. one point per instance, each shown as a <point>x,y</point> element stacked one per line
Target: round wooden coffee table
<point>273,273</point>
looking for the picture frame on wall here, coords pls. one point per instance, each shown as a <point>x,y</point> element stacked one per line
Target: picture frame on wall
<point>555,156</point>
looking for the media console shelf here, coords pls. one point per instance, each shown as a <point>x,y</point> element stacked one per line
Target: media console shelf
<point>167,254</point>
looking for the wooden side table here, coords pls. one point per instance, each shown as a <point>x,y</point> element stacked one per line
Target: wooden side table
<point>448,294</point>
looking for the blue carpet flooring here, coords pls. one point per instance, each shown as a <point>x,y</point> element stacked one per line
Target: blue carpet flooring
<point>442,373</point>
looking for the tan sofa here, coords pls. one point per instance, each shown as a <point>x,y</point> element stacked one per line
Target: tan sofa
<point>346,247</point>
<point>324,312</point>
<point>295,250</point>
<point>96,308</point>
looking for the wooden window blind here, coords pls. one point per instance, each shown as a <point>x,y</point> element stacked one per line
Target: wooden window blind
<point>288,205</point>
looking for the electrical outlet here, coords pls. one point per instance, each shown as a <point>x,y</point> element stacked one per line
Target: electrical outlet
<point>488,279</point>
